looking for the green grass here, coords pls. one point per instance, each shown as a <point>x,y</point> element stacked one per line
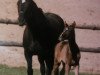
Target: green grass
<point>5,70</point>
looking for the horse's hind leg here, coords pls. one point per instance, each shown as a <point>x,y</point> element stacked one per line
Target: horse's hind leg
<point>55,70</point>
<point>42,65</point>
<point>77,64</point>
<point>77,70</point>
<point>67,69</point>
<point>62,72</point>
<point>28,57</point>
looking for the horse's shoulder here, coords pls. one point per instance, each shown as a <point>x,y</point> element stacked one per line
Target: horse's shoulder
<point>55,20</point>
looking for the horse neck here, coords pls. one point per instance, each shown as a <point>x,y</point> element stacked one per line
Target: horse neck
<point>72,39</point>
<point>33,15</point>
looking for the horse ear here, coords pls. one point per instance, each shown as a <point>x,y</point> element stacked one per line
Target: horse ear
<point>65,23</point>
<point>74,24</point>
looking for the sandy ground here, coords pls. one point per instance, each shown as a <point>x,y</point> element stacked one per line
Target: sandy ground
<point>81,11</point>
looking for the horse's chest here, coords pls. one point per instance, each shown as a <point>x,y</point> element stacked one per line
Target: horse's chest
<point>63,54</point>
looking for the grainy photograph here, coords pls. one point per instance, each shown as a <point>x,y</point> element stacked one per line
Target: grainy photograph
<point>49,37</point>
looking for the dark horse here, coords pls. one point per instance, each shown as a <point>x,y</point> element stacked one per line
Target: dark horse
<point>67,52</point>
<point>40,35</point>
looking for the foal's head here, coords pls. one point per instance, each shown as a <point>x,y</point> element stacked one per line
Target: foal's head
<point>68,33</point>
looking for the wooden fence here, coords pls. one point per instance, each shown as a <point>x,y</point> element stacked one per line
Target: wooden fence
<point>83,49</point>
<point>82,26</point>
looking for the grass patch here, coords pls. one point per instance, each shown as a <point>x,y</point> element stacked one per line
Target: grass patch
<point>5,70</point>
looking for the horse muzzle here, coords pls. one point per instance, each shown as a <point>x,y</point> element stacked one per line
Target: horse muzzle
<point>21,21</point>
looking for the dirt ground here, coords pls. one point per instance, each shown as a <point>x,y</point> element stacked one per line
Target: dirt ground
<point>81,11</point>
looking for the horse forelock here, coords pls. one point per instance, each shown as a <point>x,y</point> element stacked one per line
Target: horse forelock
<point>23,1</point>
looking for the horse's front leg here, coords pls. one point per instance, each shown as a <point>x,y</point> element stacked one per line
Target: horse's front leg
<point>42,65</point>
<point>77,64</point>
<point>76,70</point>
<point>55,68</point>
<point>28,57</point>
<point>67,69</point>
<point>49,64</point>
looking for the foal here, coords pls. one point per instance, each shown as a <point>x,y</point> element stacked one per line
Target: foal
<point>66,52</point>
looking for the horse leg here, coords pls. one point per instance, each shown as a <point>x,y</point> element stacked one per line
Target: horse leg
<point>28,57</point>
<point>42,65</point>
<point>49,64</point>
<point>55,68</point>
<point>62,72</point>
<point>77,70</point>
<point>77,64</point>
<point>67,68</point>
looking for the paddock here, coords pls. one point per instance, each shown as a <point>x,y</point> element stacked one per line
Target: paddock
<point>87,31</point>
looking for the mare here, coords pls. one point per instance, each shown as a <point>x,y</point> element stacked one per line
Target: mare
<point>40,35</point>
<point>67,52</point>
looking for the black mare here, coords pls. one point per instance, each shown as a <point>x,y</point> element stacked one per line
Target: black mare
<point>40,35</point>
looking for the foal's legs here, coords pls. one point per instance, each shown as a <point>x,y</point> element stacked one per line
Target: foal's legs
<point>28,57</point>
<point>67,69</point>
<point>42,65</point>
<point>62,72</point>
<point>77,70</point>
<point>77,64</point>
<point>55,67</point>
<point>67,65</point>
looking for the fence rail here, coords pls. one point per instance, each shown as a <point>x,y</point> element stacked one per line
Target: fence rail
<point>11,43</point>
<point>83,26</point>
<point>19,44</point>
<point>83,49</point>
<point>8,21</point>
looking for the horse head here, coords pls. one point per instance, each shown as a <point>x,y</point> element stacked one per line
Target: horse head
<point>21,10</point>
<point>71,31</point>
<point>68,32</point>
<point>22,6</point>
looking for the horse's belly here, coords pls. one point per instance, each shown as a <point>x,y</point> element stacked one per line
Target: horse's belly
<point>63,54</point>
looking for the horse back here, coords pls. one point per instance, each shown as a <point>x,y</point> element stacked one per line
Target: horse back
<point>55,22</point>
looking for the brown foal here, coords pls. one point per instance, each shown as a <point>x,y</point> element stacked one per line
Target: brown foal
<point>67,52</point>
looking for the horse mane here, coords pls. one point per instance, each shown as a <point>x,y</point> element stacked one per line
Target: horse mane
<point>35,17</point>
